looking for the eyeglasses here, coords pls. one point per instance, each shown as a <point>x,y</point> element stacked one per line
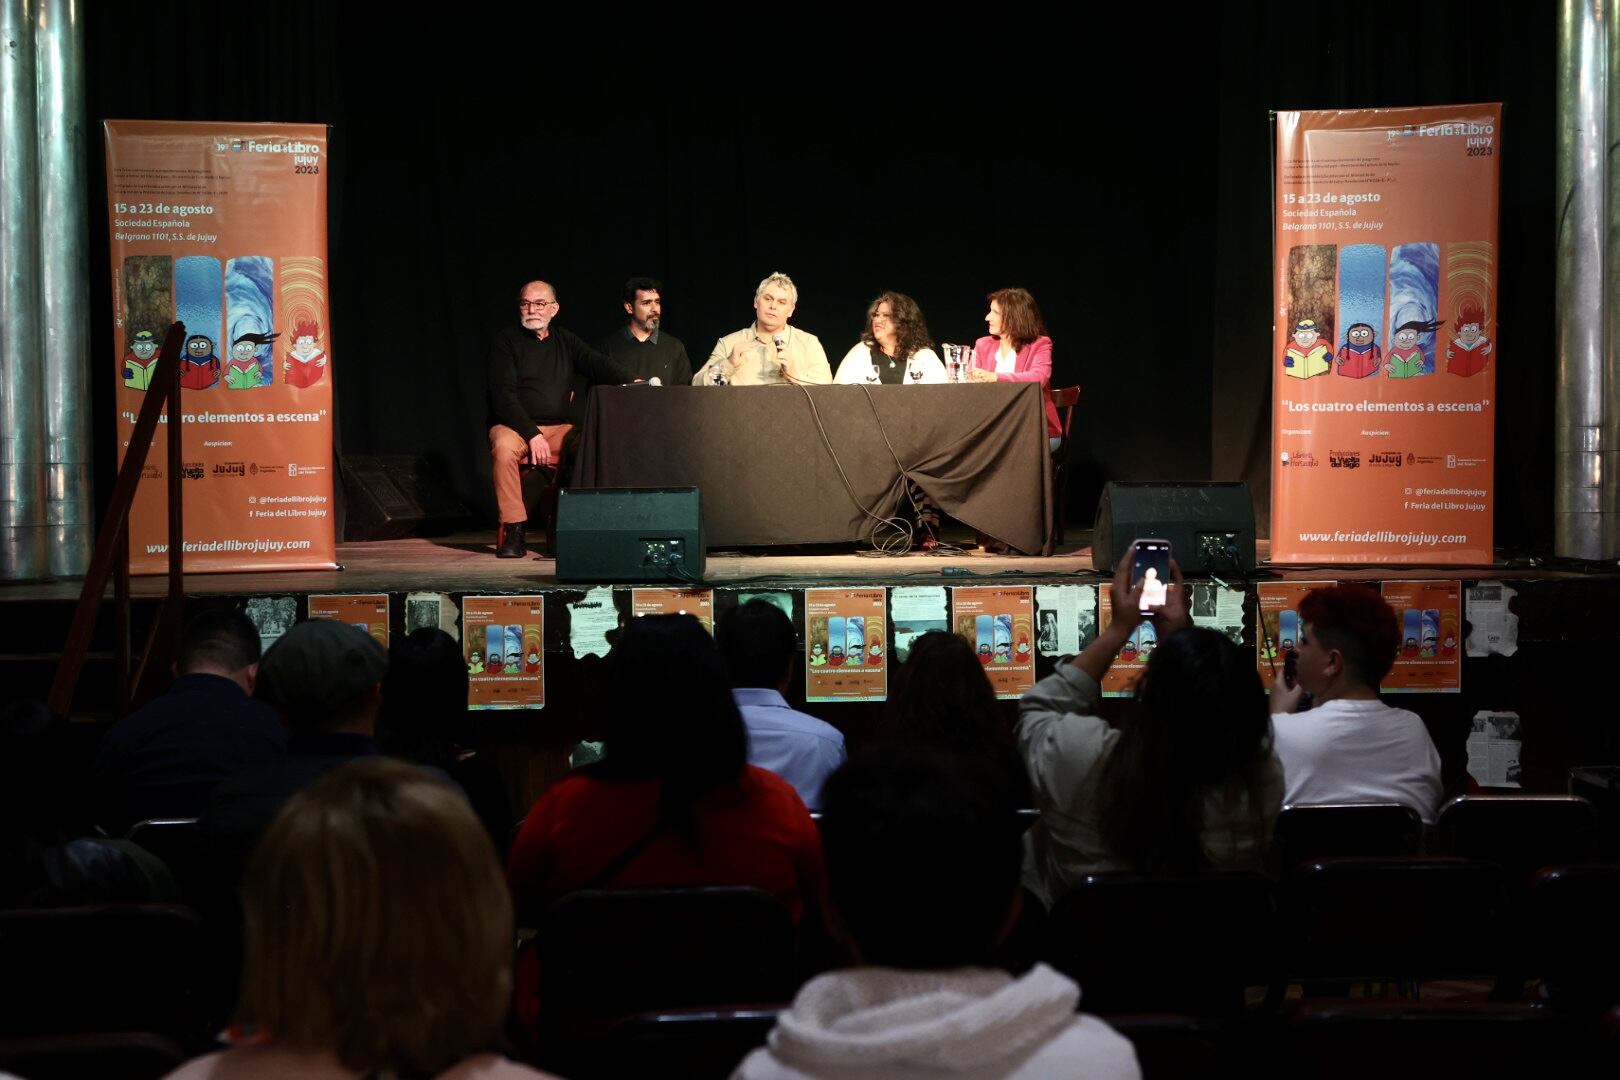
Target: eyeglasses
<point>538,305</point>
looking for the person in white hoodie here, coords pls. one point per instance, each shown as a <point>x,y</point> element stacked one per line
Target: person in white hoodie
<point>923,854</point>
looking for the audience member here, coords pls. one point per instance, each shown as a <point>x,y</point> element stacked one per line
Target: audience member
<point>48,855</point>
<point>922,881</point>
<point>941,696</point>
<point>1188,783</point>
<point>324,679</point>
<point>1349,746</point>
<point>673,802</point>
<point>760,650</point>
<point>424,719</point>
<point>165,759</point>
<point>378,937</point>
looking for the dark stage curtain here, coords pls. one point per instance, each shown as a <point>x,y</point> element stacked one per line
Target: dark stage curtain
<point>1116,163</point>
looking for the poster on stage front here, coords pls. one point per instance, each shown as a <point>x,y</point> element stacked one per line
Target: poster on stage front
<point>1384,352</point>
<point>846,645</point>
<point>368,611</point>
<point>999,622</point>
<point>503,642</point>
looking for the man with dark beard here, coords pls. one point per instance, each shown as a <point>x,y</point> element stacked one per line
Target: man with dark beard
<point>641,345</point>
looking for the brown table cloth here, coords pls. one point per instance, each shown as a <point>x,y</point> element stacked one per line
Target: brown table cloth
<point>761,462</point>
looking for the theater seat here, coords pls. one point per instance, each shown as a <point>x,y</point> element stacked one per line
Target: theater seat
<point>171,839</point>
<point>133,967</point>
<point>696,1044</point>
<point>1187,945</point>
<point>1355,1041</point>
<point>105,1056</point>
<point>1520,832</point>
<point>1314,832</point>
<point>1570,930</point>
<point>1364,919</point>
<point>606,955</point>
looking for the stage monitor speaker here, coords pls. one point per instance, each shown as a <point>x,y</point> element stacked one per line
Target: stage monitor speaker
<point>1210,526</point>
<point>629,534</point>
<point>388,496</point>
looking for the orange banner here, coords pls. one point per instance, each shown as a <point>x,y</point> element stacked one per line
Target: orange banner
<point>845,636</point>
<point>1430,657</point>
<point>368,611</point>
<point>1383,353</point>
<point>1000,625</point>
<point>503,640</point>
<point>223,227</point>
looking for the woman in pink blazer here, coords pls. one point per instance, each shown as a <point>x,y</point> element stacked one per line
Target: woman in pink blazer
<point>1017,350</point>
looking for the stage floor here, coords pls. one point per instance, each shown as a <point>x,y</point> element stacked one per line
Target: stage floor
<point>465,562</point>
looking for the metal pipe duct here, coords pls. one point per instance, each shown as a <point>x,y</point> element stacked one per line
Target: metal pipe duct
<point>22,398</point>
<point>64,284</point>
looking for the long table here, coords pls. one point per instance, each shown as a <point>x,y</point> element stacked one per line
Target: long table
<point>786,465</point>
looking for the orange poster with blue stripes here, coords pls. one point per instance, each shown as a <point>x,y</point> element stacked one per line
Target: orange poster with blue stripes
<point>222,227</point>
<point>1383,347</point>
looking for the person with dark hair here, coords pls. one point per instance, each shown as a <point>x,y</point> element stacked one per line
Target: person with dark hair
<point>378,938</point>
<point>47,856</point>
<point>1017,350</point>
<point>534,369</point>
<point>1349,746</point>
<point>923,860</point>
<point>673,802</point>
<point>424,719</point>
<point>324,679</point>
<point>642,347</point>
<point>164,759</point>
<point>895,346</point>
<point>941,697</point>
<point>1188,783</point>
<point>759,647</point>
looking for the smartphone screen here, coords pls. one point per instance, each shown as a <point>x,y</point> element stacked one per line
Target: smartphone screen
<point>1150,565</point>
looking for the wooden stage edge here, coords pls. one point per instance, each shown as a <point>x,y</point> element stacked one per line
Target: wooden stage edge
<point>465,562</point>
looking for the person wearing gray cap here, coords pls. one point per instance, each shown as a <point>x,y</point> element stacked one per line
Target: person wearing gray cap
<point>324,679</point>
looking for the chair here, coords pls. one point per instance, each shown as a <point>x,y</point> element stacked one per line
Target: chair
<point>1176,1046</point>
<point>1571,936</point>
<point>606,955</point>
<point>127,967</point>
<point>119,1055</point>
<point>1520,832</point>
<point>171,839</point>
<point>1314,832</point>
<point>540,490</point>
<point>693,1043</point>
<point>625,951</point>
<point>1364,919</point>
<point>1345,1041</point>
<point>1064,398</point>
<point>1189,945</point>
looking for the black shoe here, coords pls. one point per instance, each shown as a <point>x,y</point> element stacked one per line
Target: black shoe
<point>509,543</point>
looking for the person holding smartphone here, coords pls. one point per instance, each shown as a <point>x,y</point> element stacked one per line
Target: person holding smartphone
<point>1189,784</point>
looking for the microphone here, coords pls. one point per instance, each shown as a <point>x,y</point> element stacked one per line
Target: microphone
<point>776,339</point>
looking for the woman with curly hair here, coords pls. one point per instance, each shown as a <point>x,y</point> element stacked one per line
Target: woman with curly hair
<point>894,347</point>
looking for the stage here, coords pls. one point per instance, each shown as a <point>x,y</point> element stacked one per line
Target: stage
<point>464,562</point>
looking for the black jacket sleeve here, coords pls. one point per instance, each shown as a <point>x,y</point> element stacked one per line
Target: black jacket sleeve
<point>504,405</point>
<point>589,361</point>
